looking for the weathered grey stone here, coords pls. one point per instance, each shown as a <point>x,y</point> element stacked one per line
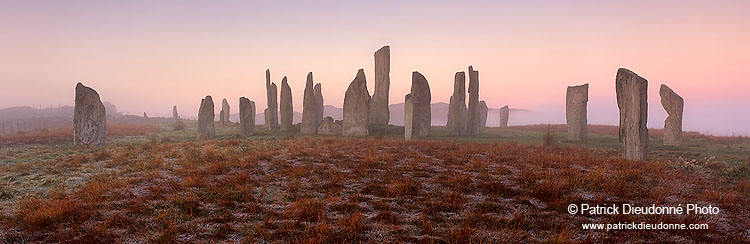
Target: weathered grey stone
<point>632,99</point>
<point>483,110</point>
<point>221,118</point>
<point>457,107</point>
<point>473,123</point>
<point>504,115</point>
<point>285,105</point>
<point>145,115</point>
<point>175,115</point>
<point>226,111</point>
<point>89,118</point>
<point>379,113</point>
<point>309,108</point>
<point>318,104</point>
<point>576,102</point>
<point>418,113</point>
<point>206,129</point>
<point>356,106</point>
<point>329,127</point>
<point>247,116</point>
<point>674,105</point>
<point>271,112</point>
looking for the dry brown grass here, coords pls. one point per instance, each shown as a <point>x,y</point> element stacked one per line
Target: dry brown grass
<point>331,190</point>
<point>66,133</point>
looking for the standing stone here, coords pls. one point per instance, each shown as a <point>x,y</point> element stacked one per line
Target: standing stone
<point>576,100</point>
<point>178,124</point>
<point>309,108</point>
<point>473,112</point>
<point>504,115</point>
<point>329,127</point>
<point>379,113</point>
<point>286,109</point>
<point>318,104</point>
<point>225,109</point>
<point>247,116</point>
<point>356,106</point>
<point>271,112</point>
<point>175,115</point>
<point>145,115</point>
<point>674,105</point>
<point>632,99</point>
<point>89,118</point>
<point>418,114</point>
<point>457,107</point>
<point>483,110</point>
<point>221,118</point>
<point>206,129</point>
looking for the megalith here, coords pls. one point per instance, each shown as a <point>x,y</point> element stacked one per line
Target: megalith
<point>89,118</point>
<point>632,100</point>
<point>225,109</point>
<point>329,127</point>
<point>483,110</point>
<point>309,108</point>
<point>576,102</point>
<point>285,105</point>
<point>379,113</point>
<point>206,129</point>
<point>271,112</point>
<point>356,106</point>
<point>674,105</point>
<point>247,116</point>
<point>504,115</point>
<point>457,107</point>
<point>418,114</point>
<point>318,104</point>
<point>473,111</point>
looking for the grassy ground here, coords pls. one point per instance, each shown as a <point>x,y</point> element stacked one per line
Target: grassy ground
<point>165,186</point>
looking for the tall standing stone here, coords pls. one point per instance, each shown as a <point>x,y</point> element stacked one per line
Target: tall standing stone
<point>457,107</point>
<point>285,106</point>
<point>674,105</point>
<point>576,102</point>
<point>356,106</point>
<point>247,116</point>
<point>206,129</point>
<point>309,108</point>
<point>418,114</point>
<point>379,113</point>
<point>483,110</point>
<point>89,118</point>
<point>318,104</point>
<point>225,109</point>
<point>221,118</point>
<point>271,112</point>
<point>473,111</point>
<point>632,99</point>
<point>504,115</point>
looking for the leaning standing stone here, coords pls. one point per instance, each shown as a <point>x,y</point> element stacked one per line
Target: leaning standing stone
<point>674,105</point>
<point>206,129</point>
<point>247,116</point>
<point>632,99</point>
<point>356,106</point>
<point>576,100</point>
<point>89,118</point>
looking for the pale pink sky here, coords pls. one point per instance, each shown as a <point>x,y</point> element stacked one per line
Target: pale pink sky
<point>150,55</point>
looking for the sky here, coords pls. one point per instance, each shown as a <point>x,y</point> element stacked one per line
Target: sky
<point>146,56</point>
